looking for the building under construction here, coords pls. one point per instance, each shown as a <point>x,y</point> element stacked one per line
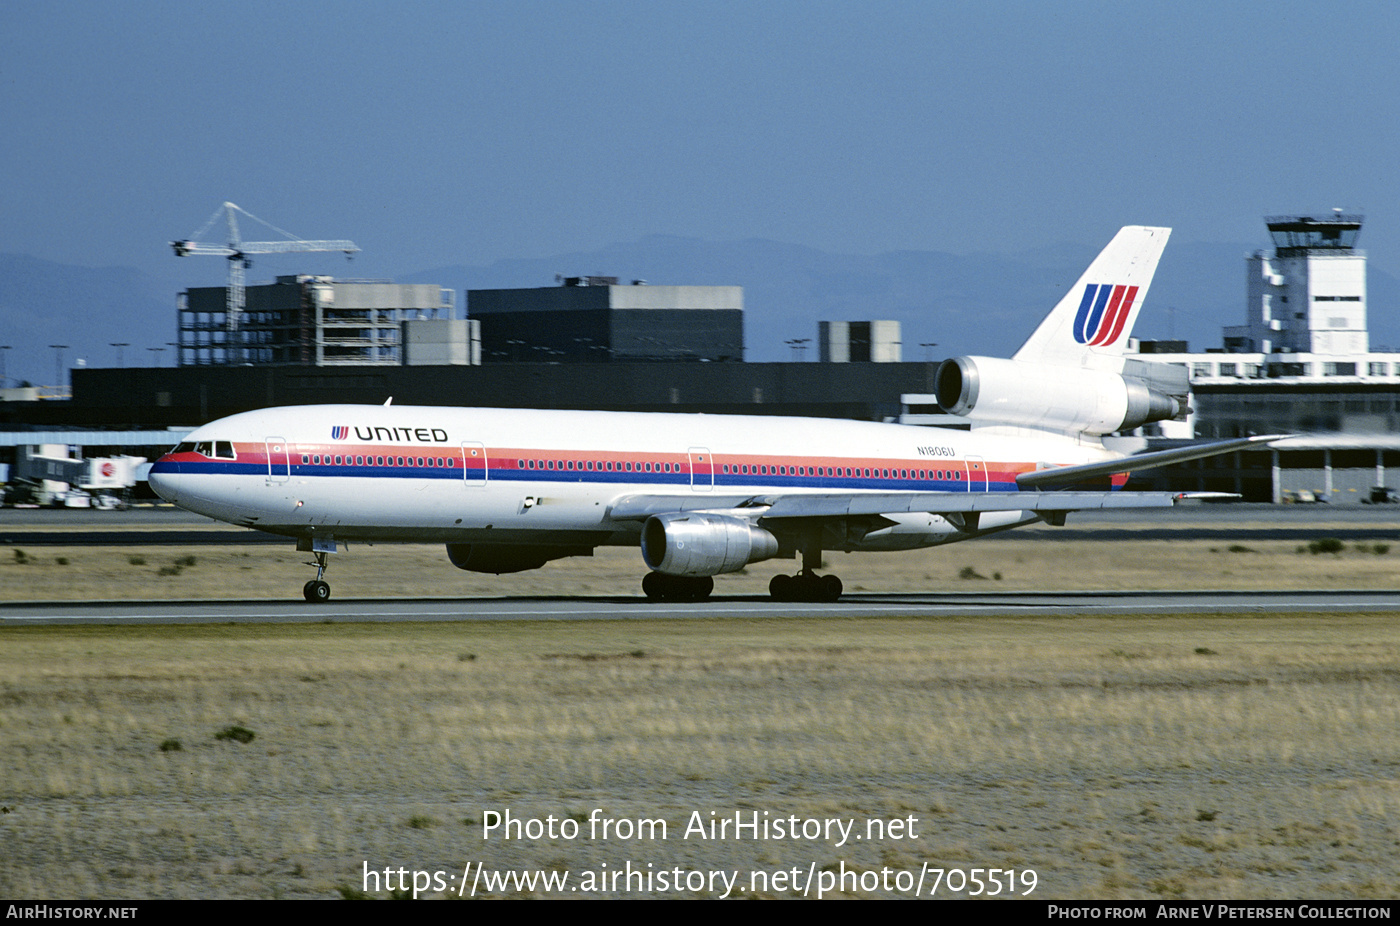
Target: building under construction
<point>321,321</point>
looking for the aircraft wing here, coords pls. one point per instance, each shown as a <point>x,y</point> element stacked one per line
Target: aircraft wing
<point>1038,493</point>
<point>828,506</point>
<point>641,507</point>
<point>1062,475</point>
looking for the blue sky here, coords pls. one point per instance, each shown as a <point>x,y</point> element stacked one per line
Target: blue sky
<point>439,133</point>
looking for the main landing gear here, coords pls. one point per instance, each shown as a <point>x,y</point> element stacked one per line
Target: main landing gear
<point>807,585</point>
<point>677,588</point>
<point>317,590</point>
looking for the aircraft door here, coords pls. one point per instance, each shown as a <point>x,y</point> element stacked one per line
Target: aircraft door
<point>279,460</point>
<point>976,474</point>
<point>474,467</point>
<point>702,469</point>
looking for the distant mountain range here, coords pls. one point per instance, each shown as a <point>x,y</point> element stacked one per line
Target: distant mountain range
<point>980,303</point>
<point>44,302</point>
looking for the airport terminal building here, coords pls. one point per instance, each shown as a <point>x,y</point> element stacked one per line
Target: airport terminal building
<point>1301,364</point>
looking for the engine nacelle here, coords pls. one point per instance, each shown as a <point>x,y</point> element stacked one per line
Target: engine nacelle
<point>690,544</point>
<point>1044,396</point>
<point>499,558</point>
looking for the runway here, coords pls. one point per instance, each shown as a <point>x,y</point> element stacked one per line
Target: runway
<point>161,526</point>
<point>932,605</point>
<point>164,525</point>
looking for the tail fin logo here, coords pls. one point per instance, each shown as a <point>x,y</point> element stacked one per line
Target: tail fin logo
<point>1103,312</point>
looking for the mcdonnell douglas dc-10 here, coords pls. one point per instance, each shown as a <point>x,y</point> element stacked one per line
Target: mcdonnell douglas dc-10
<point>508,490</point>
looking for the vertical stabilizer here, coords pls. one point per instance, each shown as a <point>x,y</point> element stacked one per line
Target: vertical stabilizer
<point>1091,324</point>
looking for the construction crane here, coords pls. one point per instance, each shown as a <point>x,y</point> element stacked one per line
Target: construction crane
<point>237,251</point>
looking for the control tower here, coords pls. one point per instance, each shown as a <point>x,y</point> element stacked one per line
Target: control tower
<point>1309,296</point>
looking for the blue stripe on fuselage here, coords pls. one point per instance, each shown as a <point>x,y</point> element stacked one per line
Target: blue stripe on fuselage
<point>729,481</point>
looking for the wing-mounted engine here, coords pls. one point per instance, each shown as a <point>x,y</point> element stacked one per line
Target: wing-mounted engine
<point>1061,398</point>
<point>696,544</point>
<point>499,558</point>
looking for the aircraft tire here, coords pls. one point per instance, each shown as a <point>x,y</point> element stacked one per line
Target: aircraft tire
<point>658,585</point>
<point>316,591</point>
<point>805,587</point>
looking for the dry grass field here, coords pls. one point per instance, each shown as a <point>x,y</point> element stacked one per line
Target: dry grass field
<point>1115,757</point>
<point>1121,757</point>
<point>1057,562</point>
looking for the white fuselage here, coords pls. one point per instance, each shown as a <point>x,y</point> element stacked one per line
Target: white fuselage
<point>443,474</point>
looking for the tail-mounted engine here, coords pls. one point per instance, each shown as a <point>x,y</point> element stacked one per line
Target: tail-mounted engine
<point>1062,398</point>
<point>690,544</point>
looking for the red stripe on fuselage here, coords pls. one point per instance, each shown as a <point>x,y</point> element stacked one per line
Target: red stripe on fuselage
<point>716,465</point>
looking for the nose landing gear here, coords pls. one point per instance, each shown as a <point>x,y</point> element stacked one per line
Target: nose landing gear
<point>317,590</point>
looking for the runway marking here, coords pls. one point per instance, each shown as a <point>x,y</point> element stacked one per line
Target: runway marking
<point>910,605</point>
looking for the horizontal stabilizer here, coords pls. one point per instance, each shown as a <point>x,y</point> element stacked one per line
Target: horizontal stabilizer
<point>1068,475</point>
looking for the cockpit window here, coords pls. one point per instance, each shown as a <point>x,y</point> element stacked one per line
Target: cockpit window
<point>219,450</point>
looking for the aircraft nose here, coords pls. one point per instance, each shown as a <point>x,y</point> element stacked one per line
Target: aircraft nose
<point>162,479</point>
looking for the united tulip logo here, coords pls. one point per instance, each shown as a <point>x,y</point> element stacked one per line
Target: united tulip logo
<point>1103,313</point>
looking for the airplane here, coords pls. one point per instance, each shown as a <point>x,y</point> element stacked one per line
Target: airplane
<point>508,490</point>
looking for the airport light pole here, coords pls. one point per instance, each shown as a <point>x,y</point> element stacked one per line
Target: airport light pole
<point>58,350</point>
<point>3,378</point>
<point>119,345</point>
